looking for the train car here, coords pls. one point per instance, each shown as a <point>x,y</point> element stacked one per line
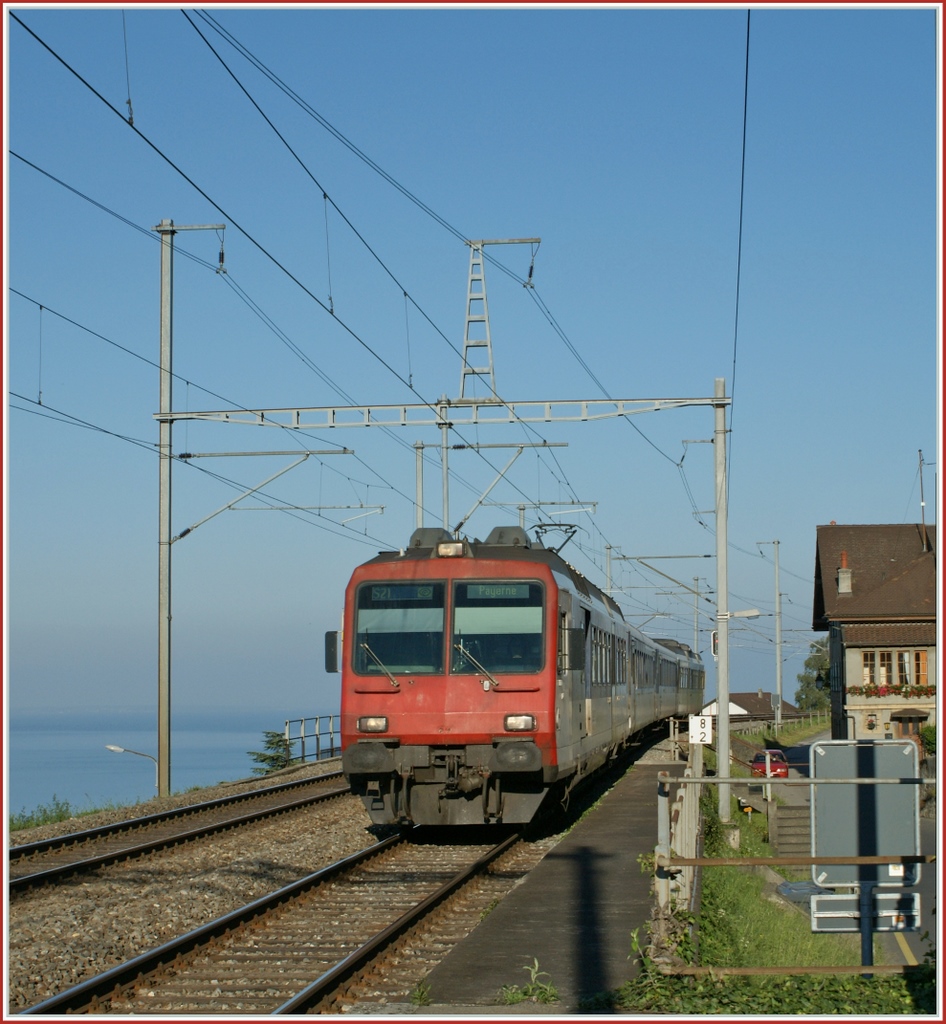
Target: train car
<point>480,676</point>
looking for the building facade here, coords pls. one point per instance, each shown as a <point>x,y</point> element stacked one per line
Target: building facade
<point>875,595</point>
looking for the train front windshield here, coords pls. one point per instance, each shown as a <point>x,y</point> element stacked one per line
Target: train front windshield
<point>497,626</point>
<point>399,628</point>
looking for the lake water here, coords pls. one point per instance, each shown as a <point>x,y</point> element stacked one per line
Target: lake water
<point>63,754</point>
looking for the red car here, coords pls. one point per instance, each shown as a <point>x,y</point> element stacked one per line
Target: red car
<point>778,766</point>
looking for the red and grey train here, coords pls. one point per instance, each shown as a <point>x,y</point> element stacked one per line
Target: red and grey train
<point>479,676</point>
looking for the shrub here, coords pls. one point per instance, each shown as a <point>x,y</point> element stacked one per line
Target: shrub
<point>277,753</point>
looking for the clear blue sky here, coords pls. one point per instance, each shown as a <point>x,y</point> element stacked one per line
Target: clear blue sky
<point>616,136</point>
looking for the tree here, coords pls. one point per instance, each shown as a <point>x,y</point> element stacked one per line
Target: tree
<point>808,697</point>
<point>278,753</point>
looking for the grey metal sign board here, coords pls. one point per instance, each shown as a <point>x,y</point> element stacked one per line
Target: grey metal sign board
<point>891,912</point>
<point>864,819</point>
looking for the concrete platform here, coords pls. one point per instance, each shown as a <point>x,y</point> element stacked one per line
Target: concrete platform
<point>574,914</point>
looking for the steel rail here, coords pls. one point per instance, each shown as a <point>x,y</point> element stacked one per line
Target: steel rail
<point>131,824</point>
<point>59,871</point>
<point>89,995</point>
<point>89,992</point>
<point>313,994</point>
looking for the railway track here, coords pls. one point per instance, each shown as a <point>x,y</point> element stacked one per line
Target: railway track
<point>51,860</point>
<point>298,949</point>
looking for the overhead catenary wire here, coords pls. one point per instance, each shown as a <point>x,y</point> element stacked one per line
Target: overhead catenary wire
<point>742,200</point>
<point>231,283</point>
<point>60,416</point>
<point>326,198</point>
<point>135,355</point>
<point>39,387</point>
<point>250,238</point>
<point>244,51</point>
<point>297,435</point>
<point>407,335</point>
<point>131,114</point>
<point>273,78</point>
<point>409,381</point>
<point>226,215</point>
<point>328,254</point>
<point>262,249</point>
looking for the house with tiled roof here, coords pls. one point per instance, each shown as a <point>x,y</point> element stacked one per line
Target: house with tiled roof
<point>759,704</point>
<point>875,595</point>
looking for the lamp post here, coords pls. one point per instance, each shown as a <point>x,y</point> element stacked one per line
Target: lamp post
<point>125,750</point>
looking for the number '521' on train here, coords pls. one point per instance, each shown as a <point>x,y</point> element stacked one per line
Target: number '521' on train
<point>478,677</point>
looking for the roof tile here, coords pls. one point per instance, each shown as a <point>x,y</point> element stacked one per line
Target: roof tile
<point>892,576</point>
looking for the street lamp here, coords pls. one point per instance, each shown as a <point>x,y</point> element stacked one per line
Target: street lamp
<point>125,750</point>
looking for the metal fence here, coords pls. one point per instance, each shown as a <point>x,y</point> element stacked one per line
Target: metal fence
<point>678,831</point>
<point>318,738</point>
<point>676,860</point>
<point>752,723</point>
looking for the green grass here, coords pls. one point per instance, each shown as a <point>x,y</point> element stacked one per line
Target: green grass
<point>788,735</point>
<point>62,810</point>
<point>44,814</point>
<point>56,810</point>
<point>536,990</point>
<point>740,927</point>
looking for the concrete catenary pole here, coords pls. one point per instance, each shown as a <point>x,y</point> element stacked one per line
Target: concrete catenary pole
<point>724,757</point>
<point>167,229</point>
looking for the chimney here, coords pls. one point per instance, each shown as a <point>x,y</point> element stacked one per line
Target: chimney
<point>845,585</point>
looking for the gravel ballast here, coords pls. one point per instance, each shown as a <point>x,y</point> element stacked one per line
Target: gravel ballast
<point>60,935</point>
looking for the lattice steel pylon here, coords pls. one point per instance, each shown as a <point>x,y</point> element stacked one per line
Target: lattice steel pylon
<point>476,335</point>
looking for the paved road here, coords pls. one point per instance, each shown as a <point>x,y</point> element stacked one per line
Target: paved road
<point>909,947</point>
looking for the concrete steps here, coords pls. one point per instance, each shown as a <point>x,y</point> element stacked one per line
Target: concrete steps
<point>790,830</point>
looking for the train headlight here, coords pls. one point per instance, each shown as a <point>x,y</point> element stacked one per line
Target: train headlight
<point>519,723</point>
<point>450,549</point>
<point>376,723</point>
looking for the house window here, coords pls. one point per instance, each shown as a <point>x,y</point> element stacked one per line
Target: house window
<point>870,667</point>
<point>877,669</point>
<point>903,667</point>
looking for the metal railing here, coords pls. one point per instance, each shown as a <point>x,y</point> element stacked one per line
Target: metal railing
<point>750,723</point>
<point>678,830</point>
<point>322,734</point>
